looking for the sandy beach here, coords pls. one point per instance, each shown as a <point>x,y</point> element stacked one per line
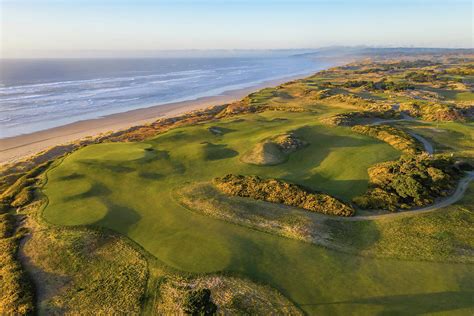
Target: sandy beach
<point>18,147</point>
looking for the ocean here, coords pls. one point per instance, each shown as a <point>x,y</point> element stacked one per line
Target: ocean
<point>41,94</point>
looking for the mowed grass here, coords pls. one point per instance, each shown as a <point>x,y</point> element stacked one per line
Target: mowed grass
<point>129,187</point>
<point>465,96</point>
<point>447,137</point>
<point>445,235</point>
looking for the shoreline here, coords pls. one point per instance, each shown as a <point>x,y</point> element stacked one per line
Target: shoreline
<point>18,147</point>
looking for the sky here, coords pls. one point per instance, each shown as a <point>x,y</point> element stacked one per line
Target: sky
<point>70,28</point>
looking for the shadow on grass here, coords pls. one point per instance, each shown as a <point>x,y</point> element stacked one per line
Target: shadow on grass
<point>158,167</point>
<point>152,156</point>
<point>219,131</point>
<point>276,120</point>
<point>119,218</point>
<point>116,167</point>
<point>417,303</point>
<point>342,189</point>
<point>217,152</point>
<point>72,176</point>
<point>301,164</point>
<point>238,120</point>
<point>96,190</point>
<point>151,175</point>
<point>355,235</point>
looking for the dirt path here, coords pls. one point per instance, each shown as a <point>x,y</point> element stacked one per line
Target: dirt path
<point>456,196</point>
<point>428,146</point>
<point>405,117</point>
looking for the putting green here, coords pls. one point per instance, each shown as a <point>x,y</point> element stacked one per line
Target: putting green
<point>128,187</point>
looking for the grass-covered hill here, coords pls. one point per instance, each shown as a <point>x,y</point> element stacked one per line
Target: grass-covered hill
<point>273,151</point>
<point>145,220</point>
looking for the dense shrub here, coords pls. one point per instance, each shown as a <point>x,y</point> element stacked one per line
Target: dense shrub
<point>277,191</point>
<point>355,100</point>
<point>420,76</point>
<point>198,302</point>
<point>467,70</point>
<point>395,137</point>
<point>388,85</point>
<point>411,181</point>
<point>430,111</point>
<point>354,118</point>
<point>404,64</point>
<point>289,142</point>
<point>4,207</point>
<point>354,83</point>
<point>231,295</point>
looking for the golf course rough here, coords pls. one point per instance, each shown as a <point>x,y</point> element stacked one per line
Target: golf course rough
<point>128,187</point>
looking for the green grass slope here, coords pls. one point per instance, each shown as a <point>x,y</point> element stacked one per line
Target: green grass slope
<point>128,187</point>
<point>265,153</point>
<point>445,235</point>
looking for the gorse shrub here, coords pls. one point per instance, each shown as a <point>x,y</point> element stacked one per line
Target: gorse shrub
<point>198,302</point>
<point>411,181</point>
<point>395,137</point>
<point>421,76</point>
<point>353,118</point>
<point>388,85</point>
<point>277,191</point>
<point>432,112</point>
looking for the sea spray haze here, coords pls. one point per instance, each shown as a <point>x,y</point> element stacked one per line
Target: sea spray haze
<point>44,93</point>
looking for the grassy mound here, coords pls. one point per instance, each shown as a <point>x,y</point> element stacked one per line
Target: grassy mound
<point>266,153</point>
<point>86,272</point>
<point>273,151</point>
<point>353,118</point>
<point>277,191</point>
<point>273,218</point>
<point>232,296</point>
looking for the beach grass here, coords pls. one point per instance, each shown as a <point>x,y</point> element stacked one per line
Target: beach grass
<point>444,235</point>
<point>86,271</point>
